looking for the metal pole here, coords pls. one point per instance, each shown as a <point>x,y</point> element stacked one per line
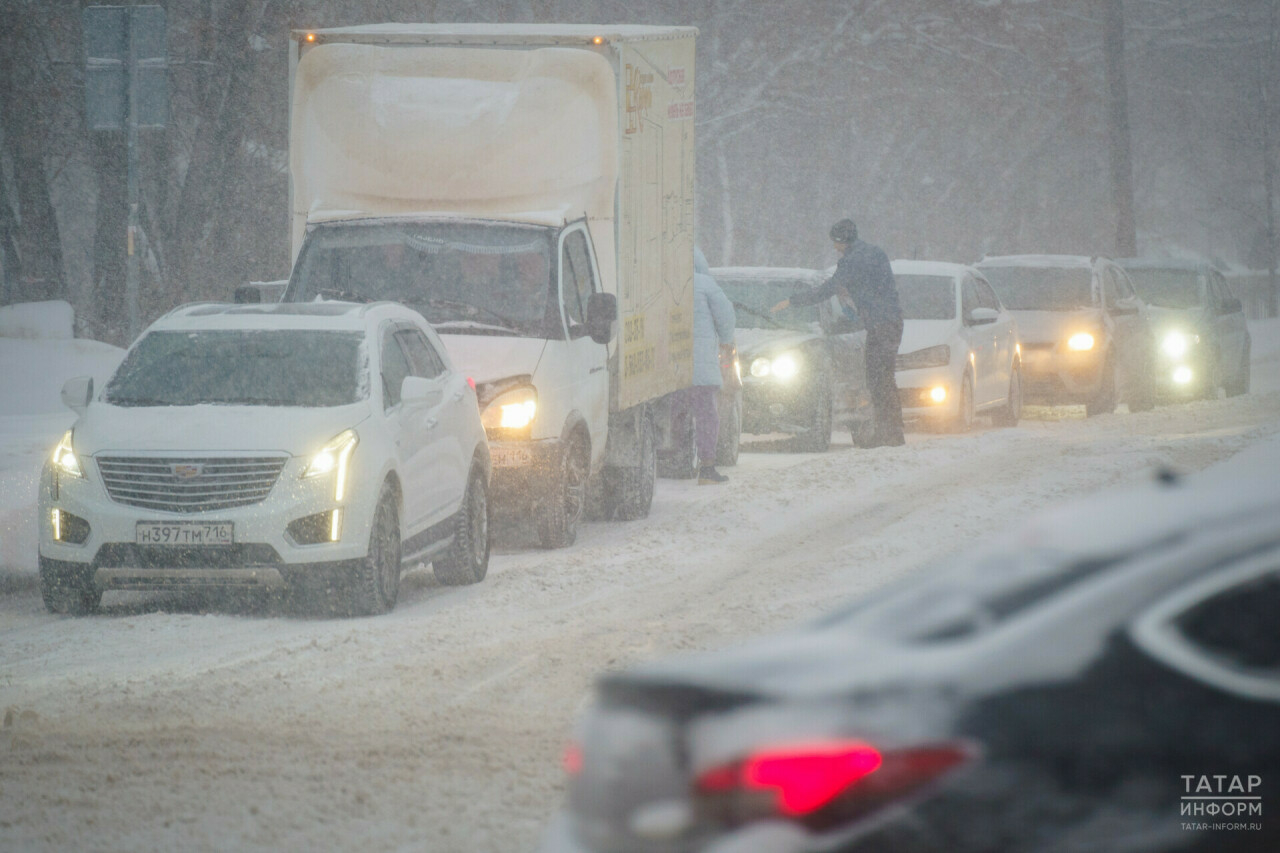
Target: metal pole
<point>131,267</point>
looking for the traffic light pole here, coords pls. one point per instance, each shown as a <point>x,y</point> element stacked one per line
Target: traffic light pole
<point>132,271</point>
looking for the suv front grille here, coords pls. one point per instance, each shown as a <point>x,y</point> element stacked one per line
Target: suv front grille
<point>189,484</point>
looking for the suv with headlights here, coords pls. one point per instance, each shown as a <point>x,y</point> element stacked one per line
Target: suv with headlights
<point>315,447</point>
<point>1202,339</point>
<point>1083,330</point>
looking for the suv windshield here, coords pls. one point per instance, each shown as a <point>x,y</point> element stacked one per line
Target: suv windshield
<point>753,297</point>
<point>277,367</point>
<point>1168,288</point>
<point>480,278</point>
<point>1041,288</point>
<point>926,297</point>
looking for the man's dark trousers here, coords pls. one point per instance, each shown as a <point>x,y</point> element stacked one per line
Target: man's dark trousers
<point>883,340</point>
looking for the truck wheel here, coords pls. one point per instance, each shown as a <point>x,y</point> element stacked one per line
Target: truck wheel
<point>681,462</point>
<point>557,517</point>
<point>1010,413</point>
<point>67,588</point>
<point>467,559</point>
<point>1104,399</point>
<point>730,432</point>
<point>633,485</point>
<point>376,584</point>
<point>817,439</point>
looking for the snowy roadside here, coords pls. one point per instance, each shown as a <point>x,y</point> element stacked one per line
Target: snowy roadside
<point>162,724</point>
<point>38,354</point>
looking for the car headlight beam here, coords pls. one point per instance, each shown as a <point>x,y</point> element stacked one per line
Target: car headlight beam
<point>334,457</point>
<point>1176,344</point>
<point>64,458</point>
<point>1080,342</point>
<point>513,410</point>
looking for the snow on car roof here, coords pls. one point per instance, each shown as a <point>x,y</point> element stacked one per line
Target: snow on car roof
<point>939,268</point>
<point>1083,261</point>
<point>302,315</point>
<point>762,273</point>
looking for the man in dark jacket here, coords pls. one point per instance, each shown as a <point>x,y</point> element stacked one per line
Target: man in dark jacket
<point>863,273</point>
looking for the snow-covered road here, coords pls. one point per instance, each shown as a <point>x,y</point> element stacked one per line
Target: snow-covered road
<point>171,722</point>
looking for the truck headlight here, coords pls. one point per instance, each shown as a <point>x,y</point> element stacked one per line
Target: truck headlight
<point>939,356</point>
<point>1176,344</point>
<point>64,458</point>
<point>334,457</point>
<point>512,410</point>
<point>1080,342</point>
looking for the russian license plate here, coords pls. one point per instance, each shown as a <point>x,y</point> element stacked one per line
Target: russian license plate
<point>510,457</point>
<point>184,533</point>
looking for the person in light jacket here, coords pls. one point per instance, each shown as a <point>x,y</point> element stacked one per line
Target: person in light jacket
<point>713,325</point>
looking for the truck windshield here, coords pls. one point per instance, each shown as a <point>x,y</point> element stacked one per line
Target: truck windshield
<point>468,278</point>
<point>1042,288</point>
<point>1168,288</point>
<point>753,297</point>
<point>276,367</point>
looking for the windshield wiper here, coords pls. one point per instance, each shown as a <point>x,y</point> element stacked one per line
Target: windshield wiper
<point>475,327</point>
<point>335,294</point>
<point>753,312</point>
<point>440,302</point>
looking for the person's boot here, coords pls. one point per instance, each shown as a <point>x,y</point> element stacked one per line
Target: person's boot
<point>709,476</point>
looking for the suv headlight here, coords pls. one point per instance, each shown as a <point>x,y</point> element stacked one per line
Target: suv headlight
<point>334,457</point>
<point>64,458</point>
<point>1175,344</point>
<point>513,410</point>
<point>784,366</point>
<point>939,356</point>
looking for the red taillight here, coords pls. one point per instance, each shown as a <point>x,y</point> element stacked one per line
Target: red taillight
<point>572,759</point>
<point>472,383</point>
<point>807,778</point>
<point>821,782</point>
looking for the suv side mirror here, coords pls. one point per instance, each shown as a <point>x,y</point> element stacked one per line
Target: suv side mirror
<point>418,389</point>
<point>982,316</point>
<point>602,313</point>
<point>77,392</point>
<point>1231,305</point>
<point>247,294</point>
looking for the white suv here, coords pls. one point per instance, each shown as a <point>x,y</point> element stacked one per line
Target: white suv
<point>316,447</point>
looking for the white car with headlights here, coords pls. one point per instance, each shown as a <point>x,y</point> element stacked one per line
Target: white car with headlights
<point>1084,332</point>
<point>316,447</point>
<point>959,354</point>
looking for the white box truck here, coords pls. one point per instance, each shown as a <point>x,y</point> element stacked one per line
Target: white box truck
<point>529,189</point>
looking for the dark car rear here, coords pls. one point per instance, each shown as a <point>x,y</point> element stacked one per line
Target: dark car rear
<point>1069,688</point>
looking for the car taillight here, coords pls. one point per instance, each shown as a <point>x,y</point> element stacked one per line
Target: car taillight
<point>572,760</point>
<point>820,784</point>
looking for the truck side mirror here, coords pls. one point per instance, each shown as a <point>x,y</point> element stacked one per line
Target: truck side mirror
<point>1232,305</point>
<point>602,313</point>
<point>247,294</point>
<point>77,392</point>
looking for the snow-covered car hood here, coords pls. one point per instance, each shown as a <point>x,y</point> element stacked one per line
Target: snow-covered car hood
<point>293,430</point>
<point>754,342</point>
<point>1049,327</point>
<point>485,358</point>
<point>921,334</point>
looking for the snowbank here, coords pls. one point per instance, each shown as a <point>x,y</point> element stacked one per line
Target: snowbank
<point>37,320</point>
<point>37,355</point>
